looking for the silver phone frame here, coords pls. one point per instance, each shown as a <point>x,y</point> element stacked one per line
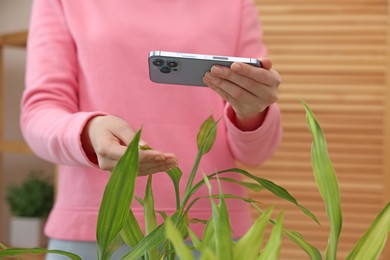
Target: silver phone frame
<point>191,67</point>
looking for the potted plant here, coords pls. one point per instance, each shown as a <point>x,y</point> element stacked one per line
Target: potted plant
<point>30,203</point>
<point>117,224</point>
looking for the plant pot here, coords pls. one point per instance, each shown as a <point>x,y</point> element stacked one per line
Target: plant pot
<point>27,232</point>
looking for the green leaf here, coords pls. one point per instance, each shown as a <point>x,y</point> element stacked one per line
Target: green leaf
<point>207,134</point>
<point>157,237</point>
<point>207,254</point>
<point>173,234</point>
<point>248,247</point>
<point>222,228</point>
<point>326,180</point>
<point>371,244</point>
<point>298,239</point>
<point>131,232</point>
<point>163,214</point>
<point>151,241</point>
<point>249,185</point>
<point>175,175</point>
<point>117,197</point>
<point>150,214</point>
<point>22,251</point>
<point>195,240</point>
<point>269,185</point>
<point>274,243</point>
<point>208,235</point>
<point>217,196</point>
<point>205,140</point>
<point>139,200</point>
<point>198,220</point>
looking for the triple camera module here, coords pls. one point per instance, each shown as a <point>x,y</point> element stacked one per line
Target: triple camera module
<point>165,66</point>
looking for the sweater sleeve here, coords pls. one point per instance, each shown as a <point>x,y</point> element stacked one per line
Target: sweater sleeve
<point>253,147</point>
<point>51,121</point>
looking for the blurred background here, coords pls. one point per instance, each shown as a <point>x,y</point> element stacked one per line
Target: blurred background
<point>334,54</point>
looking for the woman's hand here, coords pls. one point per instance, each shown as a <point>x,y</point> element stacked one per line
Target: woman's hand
<point>105,140</point>
<point>248,89</point>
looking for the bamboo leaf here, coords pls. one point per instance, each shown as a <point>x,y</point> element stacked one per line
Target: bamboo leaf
<point>163,214</point>
<point>150,215</point>
<point>116,243</point>
<point>35,251</point>
<point>207,254</point>
<point>157,237</point>
<point>131,232</point>
<point>117,197</point>
<point>207,134</point>
<point>205,140</point>
<point>372,243</point>
<point>198,220</point>
<point>326,180</point>
<point>208,235</point>
<point>269,185</point>
<point>175,175</point>
<point>222,228</point>
<point>248,247</point>
<point>272,249</point>
<point>182,251</point>
<point>153,240</point>
<point>195,240</point>
<point>298,239</point>
<point>217,196</point>
<point>249,185</point>
<point>139,200</point>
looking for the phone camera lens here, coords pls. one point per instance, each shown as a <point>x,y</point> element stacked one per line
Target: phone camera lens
<point>172,63</point>
<point>158,62</point>
<point>165,69</point>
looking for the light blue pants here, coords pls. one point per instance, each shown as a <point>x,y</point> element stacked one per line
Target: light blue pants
<point>86,250</point>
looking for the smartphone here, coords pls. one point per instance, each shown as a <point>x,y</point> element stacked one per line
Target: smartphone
<point>187,68</point>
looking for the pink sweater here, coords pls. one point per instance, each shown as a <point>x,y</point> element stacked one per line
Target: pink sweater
<point>87,58</point>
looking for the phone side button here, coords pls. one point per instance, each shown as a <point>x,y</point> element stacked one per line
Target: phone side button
<point>220,58</point>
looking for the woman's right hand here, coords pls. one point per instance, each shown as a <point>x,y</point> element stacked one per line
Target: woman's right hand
<point>105,140</point>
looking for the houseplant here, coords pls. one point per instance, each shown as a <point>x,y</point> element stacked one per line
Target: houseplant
<point>30,203</point>
<point>117,224</point>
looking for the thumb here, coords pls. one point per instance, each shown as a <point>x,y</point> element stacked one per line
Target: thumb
<point>266,63</point>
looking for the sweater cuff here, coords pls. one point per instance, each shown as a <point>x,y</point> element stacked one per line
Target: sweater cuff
<point>268,124</point>
<point>77,151</point>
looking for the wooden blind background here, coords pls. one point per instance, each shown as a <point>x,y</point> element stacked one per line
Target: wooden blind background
<point>335,55</point>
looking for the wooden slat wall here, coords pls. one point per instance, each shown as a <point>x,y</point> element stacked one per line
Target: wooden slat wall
<point>335,55</point>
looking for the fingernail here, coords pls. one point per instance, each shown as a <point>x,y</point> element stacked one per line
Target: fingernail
<point>236,66</point>
<point>159,158</point>
<point>210,77</point>
<point>217,70</point>
<point>171,161</point>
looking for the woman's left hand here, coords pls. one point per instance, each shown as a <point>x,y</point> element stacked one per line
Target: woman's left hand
<point>248,89</point>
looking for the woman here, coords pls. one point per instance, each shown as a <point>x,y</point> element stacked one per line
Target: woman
<point>88,91</point>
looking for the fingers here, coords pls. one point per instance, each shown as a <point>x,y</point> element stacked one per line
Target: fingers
<point>266,63</point>
<point>249,89</point>
<point>150,161</point>
<point>110,136</point>
<point>153,161</point>
<point>247,75</point>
